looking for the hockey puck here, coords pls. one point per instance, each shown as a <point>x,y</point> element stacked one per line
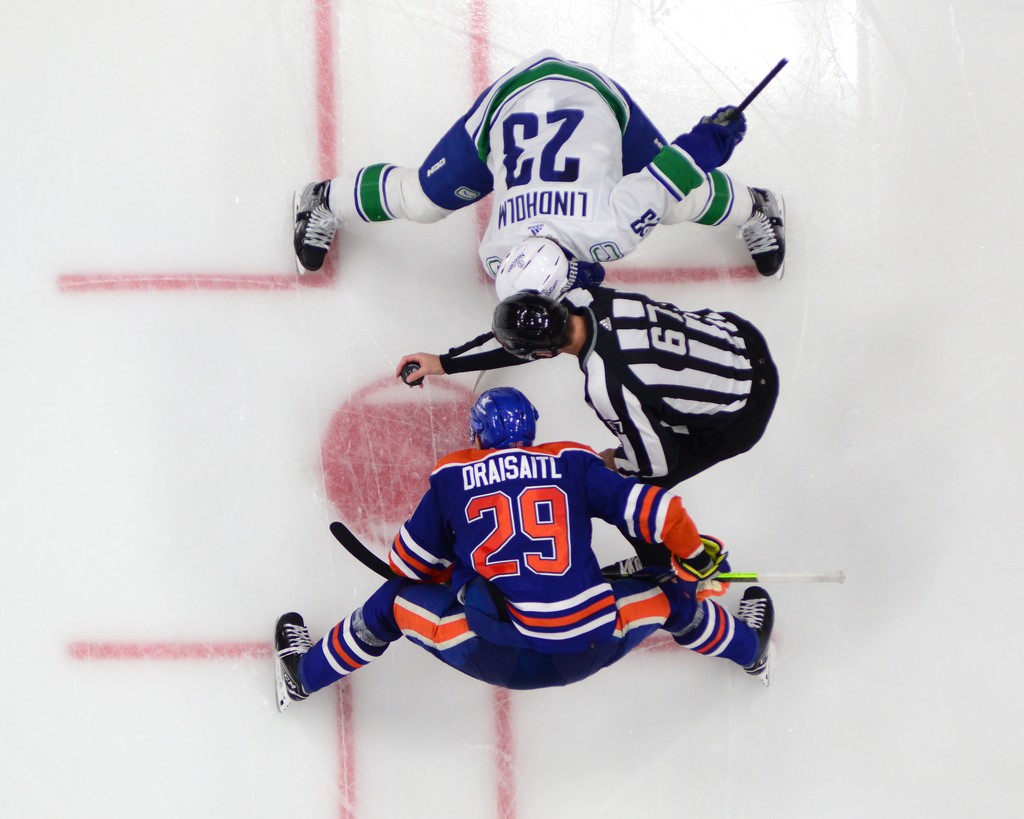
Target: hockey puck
<point>407,371</point>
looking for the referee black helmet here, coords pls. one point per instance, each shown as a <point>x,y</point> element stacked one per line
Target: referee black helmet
<point>530,325</point>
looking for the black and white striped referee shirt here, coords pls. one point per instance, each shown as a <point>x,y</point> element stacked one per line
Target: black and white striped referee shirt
<point>653,372</point>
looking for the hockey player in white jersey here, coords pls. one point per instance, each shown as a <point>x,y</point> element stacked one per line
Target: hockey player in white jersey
<point>569,157</point>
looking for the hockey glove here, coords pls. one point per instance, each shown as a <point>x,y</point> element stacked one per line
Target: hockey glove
<point>704,566</point>
<point>711,141</point>
<point>585,274</point>
<point>712,588</point>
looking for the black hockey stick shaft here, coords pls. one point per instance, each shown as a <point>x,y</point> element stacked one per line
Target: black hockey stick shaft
<point>760,87</point>
<point>355,547</point>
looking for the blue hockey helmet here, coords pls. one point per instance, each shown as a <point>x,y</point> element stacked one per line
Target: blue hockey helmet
<point>503,417</point>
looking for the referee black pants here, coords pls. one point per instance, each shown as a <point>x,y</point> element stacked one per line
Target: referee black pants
<point>701,449</point>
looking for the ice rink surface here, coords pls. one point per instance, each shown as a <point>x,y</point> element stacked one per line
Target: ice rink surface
<point>182,419</point>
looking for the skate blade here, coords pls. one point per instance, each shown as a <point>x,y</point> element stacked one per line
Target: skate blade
<point>765,676</point>
<point>283,700</point>
<point>299,269</point>
<point>778,274</point>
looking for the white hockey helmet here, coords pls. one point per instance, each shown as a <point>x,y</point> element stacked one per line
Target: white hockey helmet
<point>536,264</point>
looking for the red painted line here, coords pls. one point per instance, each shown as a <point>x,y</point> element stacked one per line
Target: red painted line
<point>346,751</point>
<point>479,46</point>
<point>326,119</point>
<point>107,282</point>
<point>86,651</point>
<point>505,753</point>
<point>93,283</point>
<point>480,77</point>
<point>326,111</point>
<point>659,275</point>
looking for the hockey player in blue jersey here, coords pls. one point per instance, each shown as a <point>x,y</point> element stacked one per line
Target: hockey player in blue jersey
<point>569,156</point>
<point>496,576</point>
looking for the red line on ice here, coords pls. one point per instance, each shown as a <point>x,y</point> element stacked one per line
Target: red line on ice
<point>505,753</point>
<point>85,650</point>
<point>346,751</point>
<point>93,282</point>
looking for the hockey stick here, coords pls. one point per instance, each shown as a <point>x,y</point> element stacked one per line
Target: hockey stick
<point>355,547</point>
<point>760,86</point>
<point>757,90</point>
<point>782,577</point>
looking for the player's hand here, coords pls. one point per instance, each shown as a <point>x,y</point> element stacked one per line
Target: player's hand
<point>703,566</point>
<point>608,456</point>
<point>413,368</point>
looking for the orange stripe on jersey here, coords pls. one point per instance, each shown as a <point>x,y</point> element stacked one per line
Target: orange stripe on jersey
<point>468,456</point>
<point>722,623</point>
<point>461,456</point>
<point>645,511</point>
<point>408,558</point>
<point>432,631</point>
<point>569,619</point>
<point>339,649</point>
<point>655,607</point>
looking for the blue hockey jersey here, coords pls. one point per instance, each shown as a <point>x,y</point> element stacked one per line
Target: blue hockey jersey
<point>521,518</point>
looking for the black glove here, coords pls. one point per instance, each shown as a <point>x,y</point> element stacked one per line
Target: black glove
<point>711,141</point>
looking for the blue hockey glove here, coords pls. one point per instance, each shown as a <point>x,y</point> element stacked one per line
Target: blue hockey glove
<point>585,274</point>
<point>711,141</point>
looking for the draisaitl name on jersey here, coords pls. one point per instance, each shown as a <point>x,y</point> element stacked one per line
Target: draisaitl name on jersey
<point>526,206</point>
<point>509,467</point>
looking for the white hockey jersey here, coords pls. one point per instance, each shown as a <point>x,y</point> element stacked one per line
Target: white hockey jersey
<point>550,133</point>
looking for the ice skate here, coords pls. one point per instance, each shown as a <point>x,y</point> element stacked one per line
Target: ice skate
<point>291,641</point>
<point>765,232</point>
<point>315,226</point>
<point>758,612</point>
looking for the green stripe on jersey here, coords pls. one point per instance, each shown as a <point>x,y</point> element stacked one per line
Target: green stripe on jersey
<point>547,70</point>
<point>720,201</point>
<point>370,194</point>
<point>676,166</point>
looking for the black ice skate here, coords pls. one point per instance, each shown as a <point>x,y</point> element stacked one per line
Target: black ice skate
<point>315,226</point>
<point>291,641</point>
<point>758,612</point>
<point>765,232</point>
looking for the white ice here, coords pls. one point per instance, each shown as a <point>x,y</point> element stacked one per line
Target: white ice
<point>162,472</point>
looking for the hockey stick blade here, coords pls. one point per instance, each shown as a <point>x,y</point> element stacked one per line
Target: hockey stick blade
<point>355,547</point>
<point>782,577</point>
